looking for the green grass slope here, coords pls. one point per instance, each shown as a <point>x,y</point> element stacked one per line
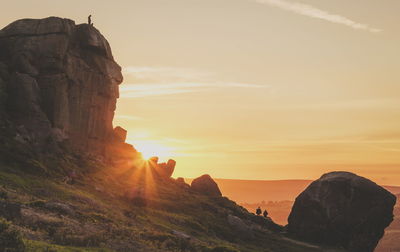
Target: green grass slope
<point>100,212</point>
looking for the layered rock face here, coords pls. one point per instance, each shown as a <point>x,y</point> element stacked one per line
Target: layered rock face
<point>61,83</point>
<point>206,185</point>
<point>343,210</point>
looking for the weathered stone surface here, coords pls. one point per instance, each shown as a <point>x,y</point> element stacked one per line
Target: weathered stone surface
<point>166,169</point>
<point>342,209</point>
<point>206,185</point>
<point>61,81</point>
<point>120,134</point>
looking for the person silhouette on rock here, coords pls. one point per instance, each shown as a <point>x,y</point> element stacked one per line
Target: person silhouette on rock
<point>258,211</point>
<point>90,20</point>
<point>265,214</point>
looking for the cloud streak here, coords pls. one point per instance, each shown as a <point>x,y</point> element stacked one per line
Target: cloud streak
<point>162,73</point>
<point>157,89</point>
<point>158,81</point>
<point>313,12</point>
<point>128,117</point>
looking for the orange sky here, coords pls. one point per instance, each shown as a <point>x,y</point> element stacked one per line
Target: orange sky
<point>253,89</point>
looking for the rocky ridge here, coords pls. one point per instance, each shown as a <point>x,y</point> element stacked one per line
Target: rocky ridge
<point>60,84</point>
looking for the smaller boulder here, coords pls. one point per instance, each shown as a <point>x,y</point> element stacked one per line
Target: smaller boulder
<point>206,185</point>
<point>162,170</point>
<point>166,169</point>
<point>119,134</point>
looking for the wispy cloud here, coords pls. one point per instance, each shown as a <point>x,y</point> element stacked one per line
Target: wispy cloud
<point>129,117</point>
<point>361,104</point>
<point>157,81</point>
<point>156,89</point>
<point>163,73</point>
<point>313,12</point>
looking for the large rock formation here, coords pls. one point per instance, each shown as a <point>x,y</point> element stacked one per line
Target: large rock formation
<point>60,83</point>
<point>206,185</point>
<point>342,209</point>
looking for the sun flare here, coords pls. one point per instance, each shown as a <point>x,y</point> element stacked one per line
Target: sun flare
<point>151,148</point>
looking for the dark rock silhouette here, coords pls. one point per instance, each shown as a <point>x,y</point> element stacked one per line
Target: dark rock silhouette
<point>61,82</point>
<point>343,210</point>
<point>162,170</point>
<point>206,185</point>
<point>119,134</point>
<point>166,169</point>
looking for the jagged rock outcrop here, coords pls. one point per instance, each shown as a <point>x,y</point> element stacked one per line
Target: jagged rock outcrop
<point>166,169</point>
<point>162,170</point>
<point>206,185</point>
<point>343,210</point>
<point>60,82</point>
<point>119,134</point>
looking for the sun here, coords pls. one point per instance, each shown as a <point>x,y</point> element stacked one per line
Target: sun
<point>151,148</point>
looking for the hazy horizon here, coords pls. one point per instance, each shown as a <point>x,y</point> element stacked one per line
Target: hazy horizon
<point>253,89</point>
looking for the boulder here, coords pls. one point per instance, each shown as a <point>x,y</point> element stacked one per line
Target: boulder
<point>206,185</point>
<point>342,209</point>
<point>62,82</point>
<point>166,169</point>
<point>162,170</point>
<point>120,134</point>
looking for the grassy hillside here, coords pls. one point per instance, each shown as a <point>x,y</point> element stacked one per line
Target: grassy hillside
<point>97,212</point>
